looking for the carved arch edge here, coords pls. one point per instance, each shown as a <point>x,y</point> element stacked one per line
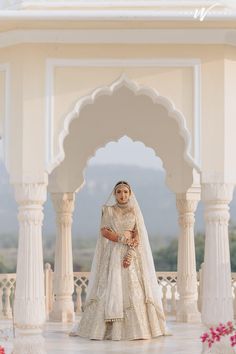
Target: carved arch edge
<point>137,89</point>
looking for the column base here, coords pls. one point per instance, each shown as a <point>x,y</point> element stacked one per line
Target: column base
<point>29,344</point>
<point>188,312</point>
<point>217,310</point>
<point>63,311</point>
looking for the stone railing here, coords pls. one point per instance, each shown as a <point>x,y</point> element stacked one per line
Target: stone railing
<point>167,281</point>
<point>7,288</point>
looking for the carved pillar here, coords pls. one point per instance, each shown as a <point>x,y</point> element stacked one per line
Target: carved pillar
<point>63,307</point>
<point>29,304</point>
<point>217,304</point>
<point>187,310</point>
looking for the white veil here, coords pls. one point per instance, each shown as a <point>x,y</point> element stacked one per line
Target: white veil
<point>151,286</point>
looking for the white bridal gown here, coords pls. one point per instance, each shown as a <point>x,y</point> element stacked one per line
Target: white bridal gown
<point>119,290</point>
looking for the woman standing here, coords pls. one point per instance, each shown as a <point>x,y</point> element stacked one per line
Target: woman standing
<point>123,299</point>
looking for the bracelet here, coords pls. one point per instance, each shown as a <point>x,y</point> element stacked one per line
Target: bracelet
<point>129,255</point>
<point>127,261</point>
<point>121,239</point>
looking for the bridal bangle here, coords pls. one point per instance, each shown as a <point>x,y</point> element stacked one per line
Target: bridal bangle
<point>128,257</point>
<point>129,254</point>
<point>122,239</point>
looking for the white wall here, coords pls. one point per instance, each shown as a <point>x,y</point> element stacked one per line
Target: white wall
<point>44,90</point>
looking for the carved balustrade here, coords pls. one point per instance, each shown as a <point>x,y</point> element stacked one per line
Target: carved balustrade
<point>167,281</point>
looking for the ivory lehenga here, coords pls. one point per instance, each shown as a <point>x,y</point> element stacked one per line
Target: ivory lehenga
<point>122,303</point>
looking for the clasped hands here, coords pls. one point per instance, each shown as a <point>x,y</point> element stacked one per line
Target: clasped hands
<point>131,238</point>
<point>132,241</point>
<point>128,237</point>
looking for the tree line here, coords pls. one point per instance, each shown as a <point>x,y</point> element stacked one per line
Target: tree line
<point>165,258</point>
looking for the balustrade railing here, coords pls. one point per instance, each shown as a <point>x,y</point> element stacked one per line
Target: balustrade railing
<point>7,288</point>
<point>167,281</point>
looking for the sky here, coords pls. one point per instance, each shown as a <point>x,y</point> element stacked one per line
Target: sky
<point>122,153</point>
<point>125,151</point>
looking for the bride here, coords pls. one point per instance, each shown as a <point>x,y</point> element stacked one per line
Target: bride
<point>123,299</point>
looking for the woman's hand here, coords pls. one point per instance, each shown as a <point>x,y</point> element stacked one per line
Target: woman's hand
<point>126,262</point>
<point>128,234</point>
<point>132,238</point>
<point>109,234</point>
<point>105,232</point>
<point>133,243</point>
<point>128,258</point>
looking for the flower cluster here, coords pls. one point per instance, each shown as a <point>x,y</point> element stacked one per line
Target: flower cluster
<point>2,350</point>
<point>215,334</point>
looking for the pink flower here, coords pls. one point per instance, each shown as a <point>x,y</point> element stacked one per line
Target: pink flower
<point>233,340</point>
<point>204,337</point>
<point>215,334</point>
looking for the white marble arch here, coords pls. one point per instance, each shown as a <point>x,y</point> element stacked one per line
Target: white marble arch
<point>110,112</point>
<point>107,114</point>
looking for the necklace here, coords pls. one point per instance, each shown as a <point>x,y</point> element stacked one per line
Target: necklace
<point>123,205</point>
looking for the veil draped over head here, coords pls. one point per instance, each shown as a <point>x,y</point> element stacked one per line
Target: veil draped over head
<point>151,287</point>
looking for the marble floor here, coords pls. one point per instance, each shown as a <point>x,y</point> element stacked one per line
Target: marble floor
<point>185,340</point>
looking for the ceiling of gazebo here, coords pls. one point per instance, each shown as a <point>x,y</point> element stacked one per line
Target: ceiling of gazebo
<point>168,10</point>
<point>150,21</point>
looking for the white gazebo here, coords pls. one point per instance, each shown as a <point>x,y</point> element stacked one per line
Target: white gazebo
<point>77,74</point>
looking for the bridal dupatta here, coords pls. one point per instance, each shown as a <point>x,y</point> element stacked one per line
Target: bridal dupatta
<point>105,276</point>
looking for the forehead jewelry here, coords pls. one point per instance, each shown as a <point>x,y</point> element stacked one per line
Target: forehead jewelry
<point>122,184</point>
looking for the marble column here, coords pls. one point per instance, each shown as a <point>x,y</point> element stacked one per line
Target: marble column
<point>187,310</point>
<point>217,304</point>
<point>63,283</point>
<point>29,303</point>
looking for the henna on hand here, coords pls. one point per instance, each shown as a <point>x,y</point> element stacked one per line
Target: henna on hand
<point>126,262</point>
<point>128,258</point>
<point>109,234</point>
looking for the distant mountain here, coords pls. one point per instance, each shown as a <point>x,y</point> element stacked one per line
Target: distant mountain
<point>155,199</point>
<point>156,202</point>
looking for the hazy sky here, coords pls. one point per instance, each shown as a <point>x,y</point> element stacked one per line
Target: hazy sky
<point>125,151</point>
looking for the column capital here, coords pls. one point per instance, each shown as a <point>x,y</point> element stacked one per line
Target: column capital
<point>63,202</point>
<point>30,193</point>
<point>217,192</point>
<point>185,206</point>
<point>187,202</point>
<point>30,197</point>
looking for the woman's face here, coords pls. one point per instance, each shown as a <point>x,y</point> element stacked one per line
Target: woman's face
<point>122,194</point>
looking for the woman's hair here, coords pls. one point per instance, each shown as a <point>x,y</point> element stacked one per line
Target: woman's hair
<point>124,183</point>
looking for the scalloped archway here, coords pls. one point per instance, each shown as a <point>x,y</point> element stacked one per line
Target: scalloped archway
<point>110,112</point>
